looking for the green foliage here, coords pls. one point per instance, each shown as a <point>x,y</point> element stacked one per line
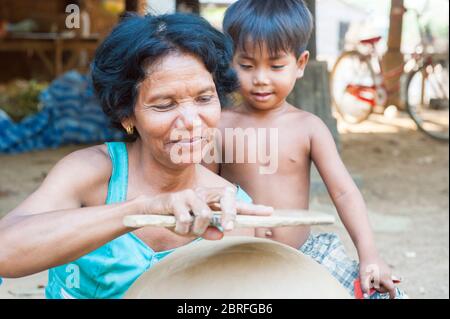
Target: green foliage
<point>21,98</point>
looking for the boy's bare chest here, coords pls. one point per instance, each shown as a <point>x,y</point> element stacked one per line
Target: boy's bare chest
<point>278,149</point>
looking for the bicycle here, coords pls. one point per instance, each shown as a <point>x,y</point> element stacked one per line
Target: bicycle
<point>359,84</point>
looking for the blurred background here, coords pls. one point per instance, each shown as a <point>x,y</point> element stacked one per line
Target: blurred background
<point>378,77</point>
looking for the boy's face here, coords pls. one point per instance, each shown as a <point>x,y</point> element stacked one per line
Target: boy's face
<point>267,80</point>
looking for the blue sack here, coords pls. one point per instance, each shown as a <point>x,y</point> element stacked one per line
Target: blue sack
<point>71,114</point>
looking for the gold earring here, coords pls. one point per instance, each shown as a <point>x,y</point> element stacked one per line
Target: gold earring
<point>130,130</point>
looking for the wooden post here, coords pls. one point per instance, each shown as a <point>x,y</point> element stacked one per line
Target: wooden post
<point>312,93</point>
<point>139,6</point>
<point>58,57</point>
<point>312,45</point>
<point>393,57</point>
<point>191,6</point>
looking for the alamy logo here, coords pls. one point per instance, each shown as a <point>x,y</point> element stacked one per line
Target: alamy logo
<point>236,145</point>
<point>73,279</point>
<point>73,17</point>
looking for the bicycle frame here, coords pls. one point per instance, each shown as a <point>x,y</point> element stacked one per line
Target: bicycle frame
<point>374,60</point>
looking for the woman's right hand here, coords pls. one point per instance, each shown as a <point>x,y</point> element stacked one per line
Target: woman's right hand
<point>193,213</point>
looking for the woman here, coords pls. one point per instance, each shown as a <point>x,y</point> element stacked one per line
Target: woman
<point>161,79</point>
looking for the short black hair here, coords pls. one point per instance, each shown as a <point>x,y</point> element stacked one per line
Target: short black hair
<point>283,25</point>
<point>121,61</point>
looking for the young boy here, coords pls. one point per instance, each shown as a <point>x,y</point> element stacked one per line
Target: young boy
<point>270,39</point>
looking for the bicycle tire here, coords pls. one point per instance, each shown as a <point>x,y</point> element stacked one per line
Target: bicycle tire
<point>411,109</point>
<point>337,105</point>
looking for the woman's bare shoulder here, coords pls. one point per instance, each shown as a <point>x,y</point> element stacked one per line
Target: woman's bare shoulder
<point>91,157</point>
<point>78,179</point>
<point>90,169</point>
<point>81,172</point>
<point>93,161</point>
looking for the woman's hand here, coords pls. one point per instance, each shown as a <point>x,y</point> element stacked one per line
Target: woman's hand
<point>375,273</point>
<point>194,209</point>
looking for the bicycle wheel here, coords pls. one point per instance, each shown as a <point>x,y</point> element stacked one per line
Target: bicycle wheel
<point>427,99</point>
<point>352,87</point>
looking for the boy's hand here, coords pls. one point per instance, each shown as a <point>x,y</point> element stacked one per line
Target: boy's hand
<point>375,273</point>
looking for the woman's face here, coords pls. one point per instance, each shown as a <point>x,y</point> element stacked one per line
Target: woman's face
<point>176,109</point>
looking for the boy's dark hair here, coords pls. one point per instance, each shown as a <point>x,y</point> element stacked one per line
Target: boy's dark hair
<point>121,62</point>
<point>283,25</point>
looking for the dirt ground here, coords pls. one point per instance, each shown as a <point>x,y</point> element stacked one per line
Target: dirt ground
<point>403,176</point>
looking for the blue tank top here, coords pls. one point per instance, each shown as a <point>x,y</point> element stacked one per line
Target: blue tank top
<point>110,270</point>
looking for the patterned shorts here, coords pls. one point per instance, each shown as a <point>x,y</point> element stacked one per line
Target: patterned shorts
<point>328,250</point>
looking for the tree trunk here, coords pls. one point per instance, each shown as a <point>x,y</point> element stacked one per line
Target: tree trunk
<point>139,6</point>
<point>312,45</point>
<point>189,6</point>
<point>393,57</point>
<point>312,93</point>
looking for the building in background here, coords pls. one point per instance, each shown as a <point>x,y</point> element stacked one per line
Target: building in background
<point>334,18</point>
<point>30,50</point>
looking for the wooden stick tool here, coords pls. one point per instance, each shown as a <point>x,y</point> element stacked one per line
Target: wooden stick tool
<point>280,218</point>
